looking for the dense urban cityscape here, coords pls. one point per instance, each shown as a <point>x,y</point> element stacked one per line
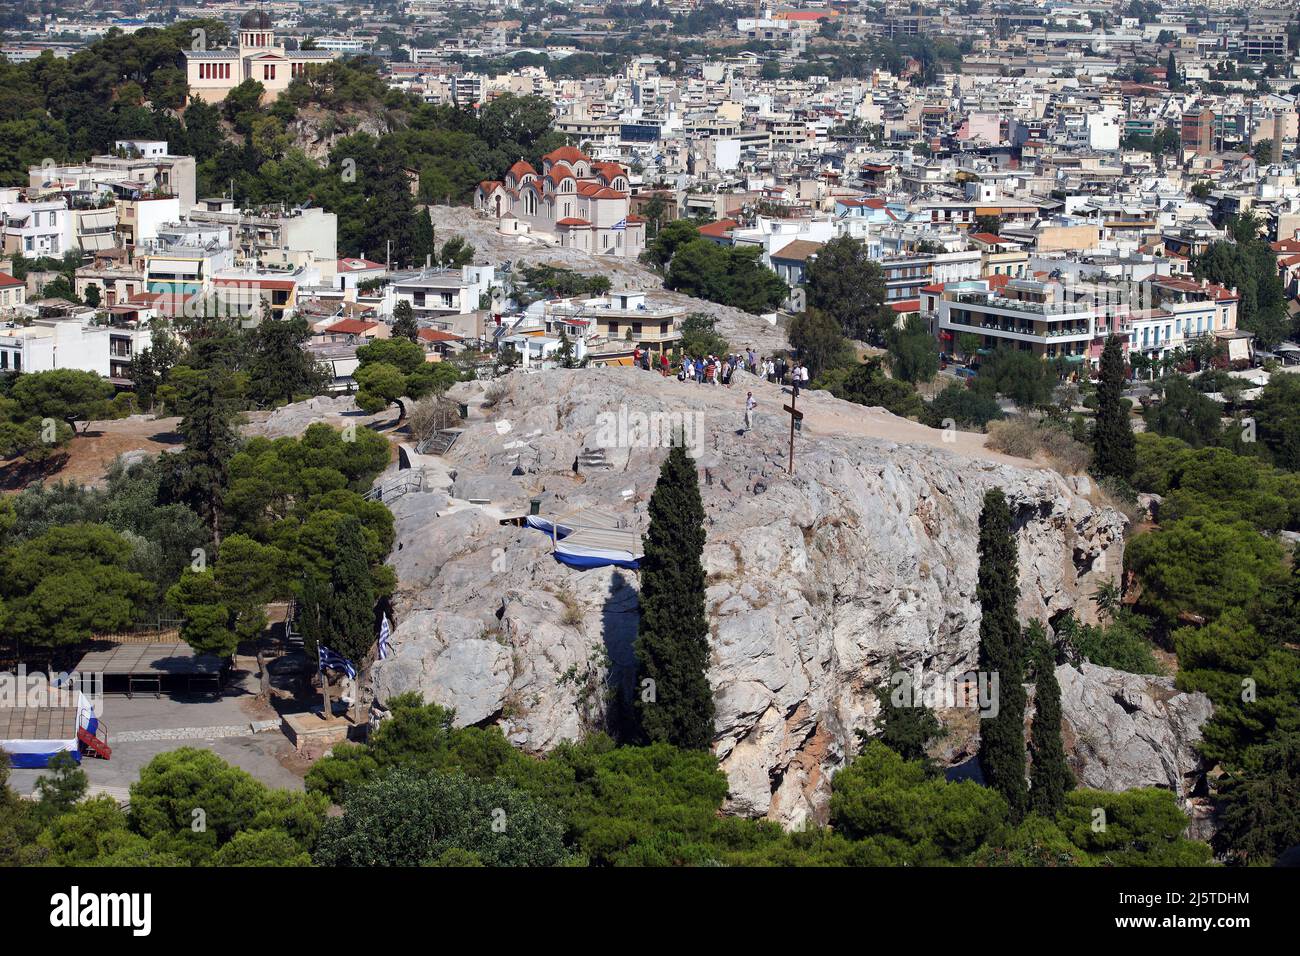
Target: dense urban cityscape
<point>676,433</point>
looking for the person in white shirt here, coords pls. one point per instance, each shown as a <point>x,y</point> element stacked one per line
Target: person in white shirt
<point>750,405</point>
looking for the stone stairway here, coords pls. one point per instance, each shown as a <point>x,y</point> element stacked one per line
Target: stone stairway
<point>440,443</point>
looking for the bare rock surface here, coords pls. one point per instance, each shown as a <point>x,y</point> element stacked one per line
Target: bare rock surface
<point>292,420</point>
<point>1131,730</point>
<point>815,580</point>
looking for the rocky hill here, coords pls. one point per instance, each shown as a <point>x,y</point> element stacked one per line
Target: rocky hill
<point>816,580</point>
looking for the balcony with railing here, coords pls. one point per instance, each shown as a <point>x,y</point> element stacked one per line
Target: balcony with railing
<point>605,311</point>
<point>1029,306</point>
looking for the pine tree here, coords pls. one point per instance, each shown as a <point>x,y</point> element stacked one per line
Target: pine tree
<point>1049,775</point>
<point>62,789</point>
<point>144,377</point>
<point>340,612</point>
<point>1280,617</point>
<point>1002,737</point>
<point>564,352</point>
<point>1114,449</point>
<point>279,369</point>
<point>672,646</point>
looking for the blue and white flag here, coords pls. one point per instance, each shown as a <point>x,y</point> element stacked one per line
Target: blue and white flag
<point>86,714</point>
<point>335,662</point>
<point>621,224</point>
<point>383,636</point>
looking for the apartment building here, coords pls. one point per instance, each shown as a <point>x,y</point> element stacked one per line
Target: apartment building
<point>435,295</point>
<point>274,234</point>
<point>35,228</point>
<point>1024,314</point>
<point>1180,311</point>
<point>114,273</point>
<point>613,326</point>
<point>139,220</point>
<point>181,261</point>
<point>13,293</point>
<point>49,344</point>
<point>137,167</point>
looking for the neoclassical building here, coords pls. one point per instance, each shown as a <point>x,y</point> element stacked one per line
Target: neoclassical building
<point>583,203</point>
<point>214,73</point>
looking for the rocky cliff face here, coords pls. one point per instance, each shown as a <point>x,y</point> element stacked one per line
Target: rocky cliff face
<point>1123,731</point>
<point>816,580</point>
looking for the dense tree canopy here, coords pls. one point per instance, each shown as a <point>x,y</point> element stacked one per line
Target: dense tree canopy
<point>849,286</point>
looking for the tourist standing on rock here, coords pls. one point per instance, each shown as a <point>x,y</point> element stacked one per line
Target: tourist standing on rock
<point>750,405</point>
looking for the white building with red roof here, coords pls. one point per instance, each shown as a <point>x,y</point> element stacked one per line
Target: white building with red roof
<point>580,202</point>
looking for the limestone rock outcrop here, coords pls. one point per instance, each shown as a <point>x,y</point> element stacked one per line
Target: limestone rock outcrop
<point>816,580</point>
<point>1131,730</point>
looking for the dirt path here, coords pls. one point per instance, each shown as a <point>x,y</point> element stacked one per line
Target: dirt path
<point>825,415</point>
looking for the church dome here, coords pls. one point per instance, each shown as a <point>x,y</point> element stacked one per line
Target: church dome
<point>255,20</point>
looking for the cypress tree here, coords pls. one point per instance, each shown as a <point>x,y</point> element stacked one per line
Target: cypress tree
<point>1049,775</point>
<point>404,324</point>
<point>672,647</point>
<point>340,612</point>
<point>1002,737</point>
<point>197,474</point>
<point>1114,449</point>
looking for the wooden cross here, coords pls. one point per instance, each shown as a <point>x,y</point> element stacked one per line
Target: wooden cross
<point>795,416</point>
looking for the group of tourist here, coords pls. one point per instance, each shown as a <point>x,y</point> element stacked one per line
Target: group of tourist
<point>711,369</point>
<point>719,369</point>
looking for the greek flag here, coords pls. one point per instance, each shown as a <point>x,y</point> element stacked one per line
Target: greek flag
<point>86,713</point>
<point>621,224</point>
<point>383,636</point>
<point>335,662</point>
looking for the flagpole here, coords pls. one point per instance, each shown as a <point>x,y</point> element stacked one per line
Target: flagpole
<point>328,711</point>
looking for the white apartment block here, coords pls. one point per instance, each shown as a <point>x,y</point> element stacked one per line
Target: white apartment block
<point>435,294</point>
<point>49,344</point>
<point>35,229</point>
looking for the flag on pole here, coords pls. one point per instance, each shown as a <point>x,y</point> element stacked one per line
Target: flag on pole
<point>383,636</point>
<point>621,224</point>
<point>336,662</point>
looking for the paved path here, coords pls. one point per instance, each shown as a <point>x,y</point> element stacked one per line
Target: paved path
<point>182,733</point>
